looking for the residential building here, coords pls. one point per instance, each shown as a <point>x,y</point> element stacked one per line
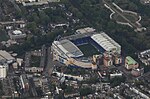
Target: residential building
<point>16,34</point>
<point>130,63</point>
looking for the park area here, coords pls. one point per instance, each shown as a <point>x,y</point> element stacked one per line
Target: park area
<point>131,17</point>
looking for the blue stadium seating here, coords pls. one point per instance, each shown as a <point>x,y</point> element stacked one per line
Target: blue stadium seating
<point>86,40</point>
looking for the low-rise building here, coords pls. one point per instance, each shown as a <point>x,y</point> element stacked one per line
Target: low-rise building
<point>144,56</point>
<point>6,57</point>
<point>130,63</point>
<point>137,72</point>
<point>16,34</point>
<point>35,2</point>
<point>115,73</point>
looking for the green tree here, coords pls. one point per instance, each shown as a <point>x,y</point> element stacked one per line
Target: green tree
<point>86,91</point>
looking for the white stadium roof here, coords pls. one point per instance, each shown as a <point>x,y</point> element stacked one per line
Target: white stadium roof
<point>105,42</point>
<point>68,48</point>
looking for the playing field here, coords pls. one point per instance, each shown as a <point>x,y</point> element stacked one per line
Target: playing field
<point>88,50</point>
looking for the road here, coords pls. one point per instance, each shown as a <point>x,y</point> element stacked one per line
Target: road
<point>120,13</point>
<point>50,63</point>
<point>43,56</point>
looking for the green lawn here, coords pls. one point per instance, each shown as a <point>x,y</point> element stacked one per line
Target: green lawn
<point>88,50</point>
<point>131,17</point>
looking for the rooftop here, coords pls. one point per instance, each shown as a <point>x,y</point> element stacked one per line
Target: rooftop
<point>69,48</point>
<point>17,32</point>
<point>105,41</point>
<point>130,60</point>
<point>6,55</point>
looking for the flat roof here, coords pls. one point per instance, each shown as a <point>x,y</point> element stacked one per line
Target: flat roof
<point>6,55</point>
<point>17,32</point>
<point>130,60</point>
<point>70,49</point>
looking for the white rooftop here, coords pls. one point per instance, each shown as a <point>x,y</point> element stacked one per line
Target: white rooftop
<point>105,41</point>
<point>17,32</point>
<point>68,48</point>
<point>6,55</point>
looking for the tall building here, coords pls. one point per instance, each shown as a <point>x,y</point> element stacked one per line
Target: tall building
<point>117,59</point>
<point>98,59</point>
<point>108,60</point>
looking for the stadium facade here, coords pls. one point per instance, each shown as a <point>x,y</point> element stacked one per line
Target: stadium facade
<point>66,51</point>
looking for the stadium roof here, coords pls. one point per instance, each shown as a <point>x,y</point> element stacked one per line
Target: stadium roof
<point>69,48</point>
<point>77,36</point>
<point>105,41</point>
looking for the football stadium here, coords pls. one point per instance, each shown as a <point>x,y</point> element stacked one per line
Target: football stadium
<point>67,49</point>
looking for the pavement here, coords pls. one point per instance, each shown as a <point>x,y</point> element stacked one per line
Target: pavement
<point>50,63</point>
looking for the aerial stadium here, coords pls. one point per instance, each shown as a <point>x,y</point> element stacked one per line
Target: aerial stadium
<point>66,50</point>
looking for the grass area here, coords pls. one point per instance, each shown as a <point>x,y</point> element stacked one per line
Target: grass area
<point>3,36</point>
<point>88,50</point>
<point>35,61</point>
<point>131,17</point>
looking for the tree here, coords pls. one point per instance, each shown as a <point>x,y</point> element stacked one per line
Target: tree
<point>117,81</point>
<point>32,27</point>
<point>44,18</point>
<point>86,91</point>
